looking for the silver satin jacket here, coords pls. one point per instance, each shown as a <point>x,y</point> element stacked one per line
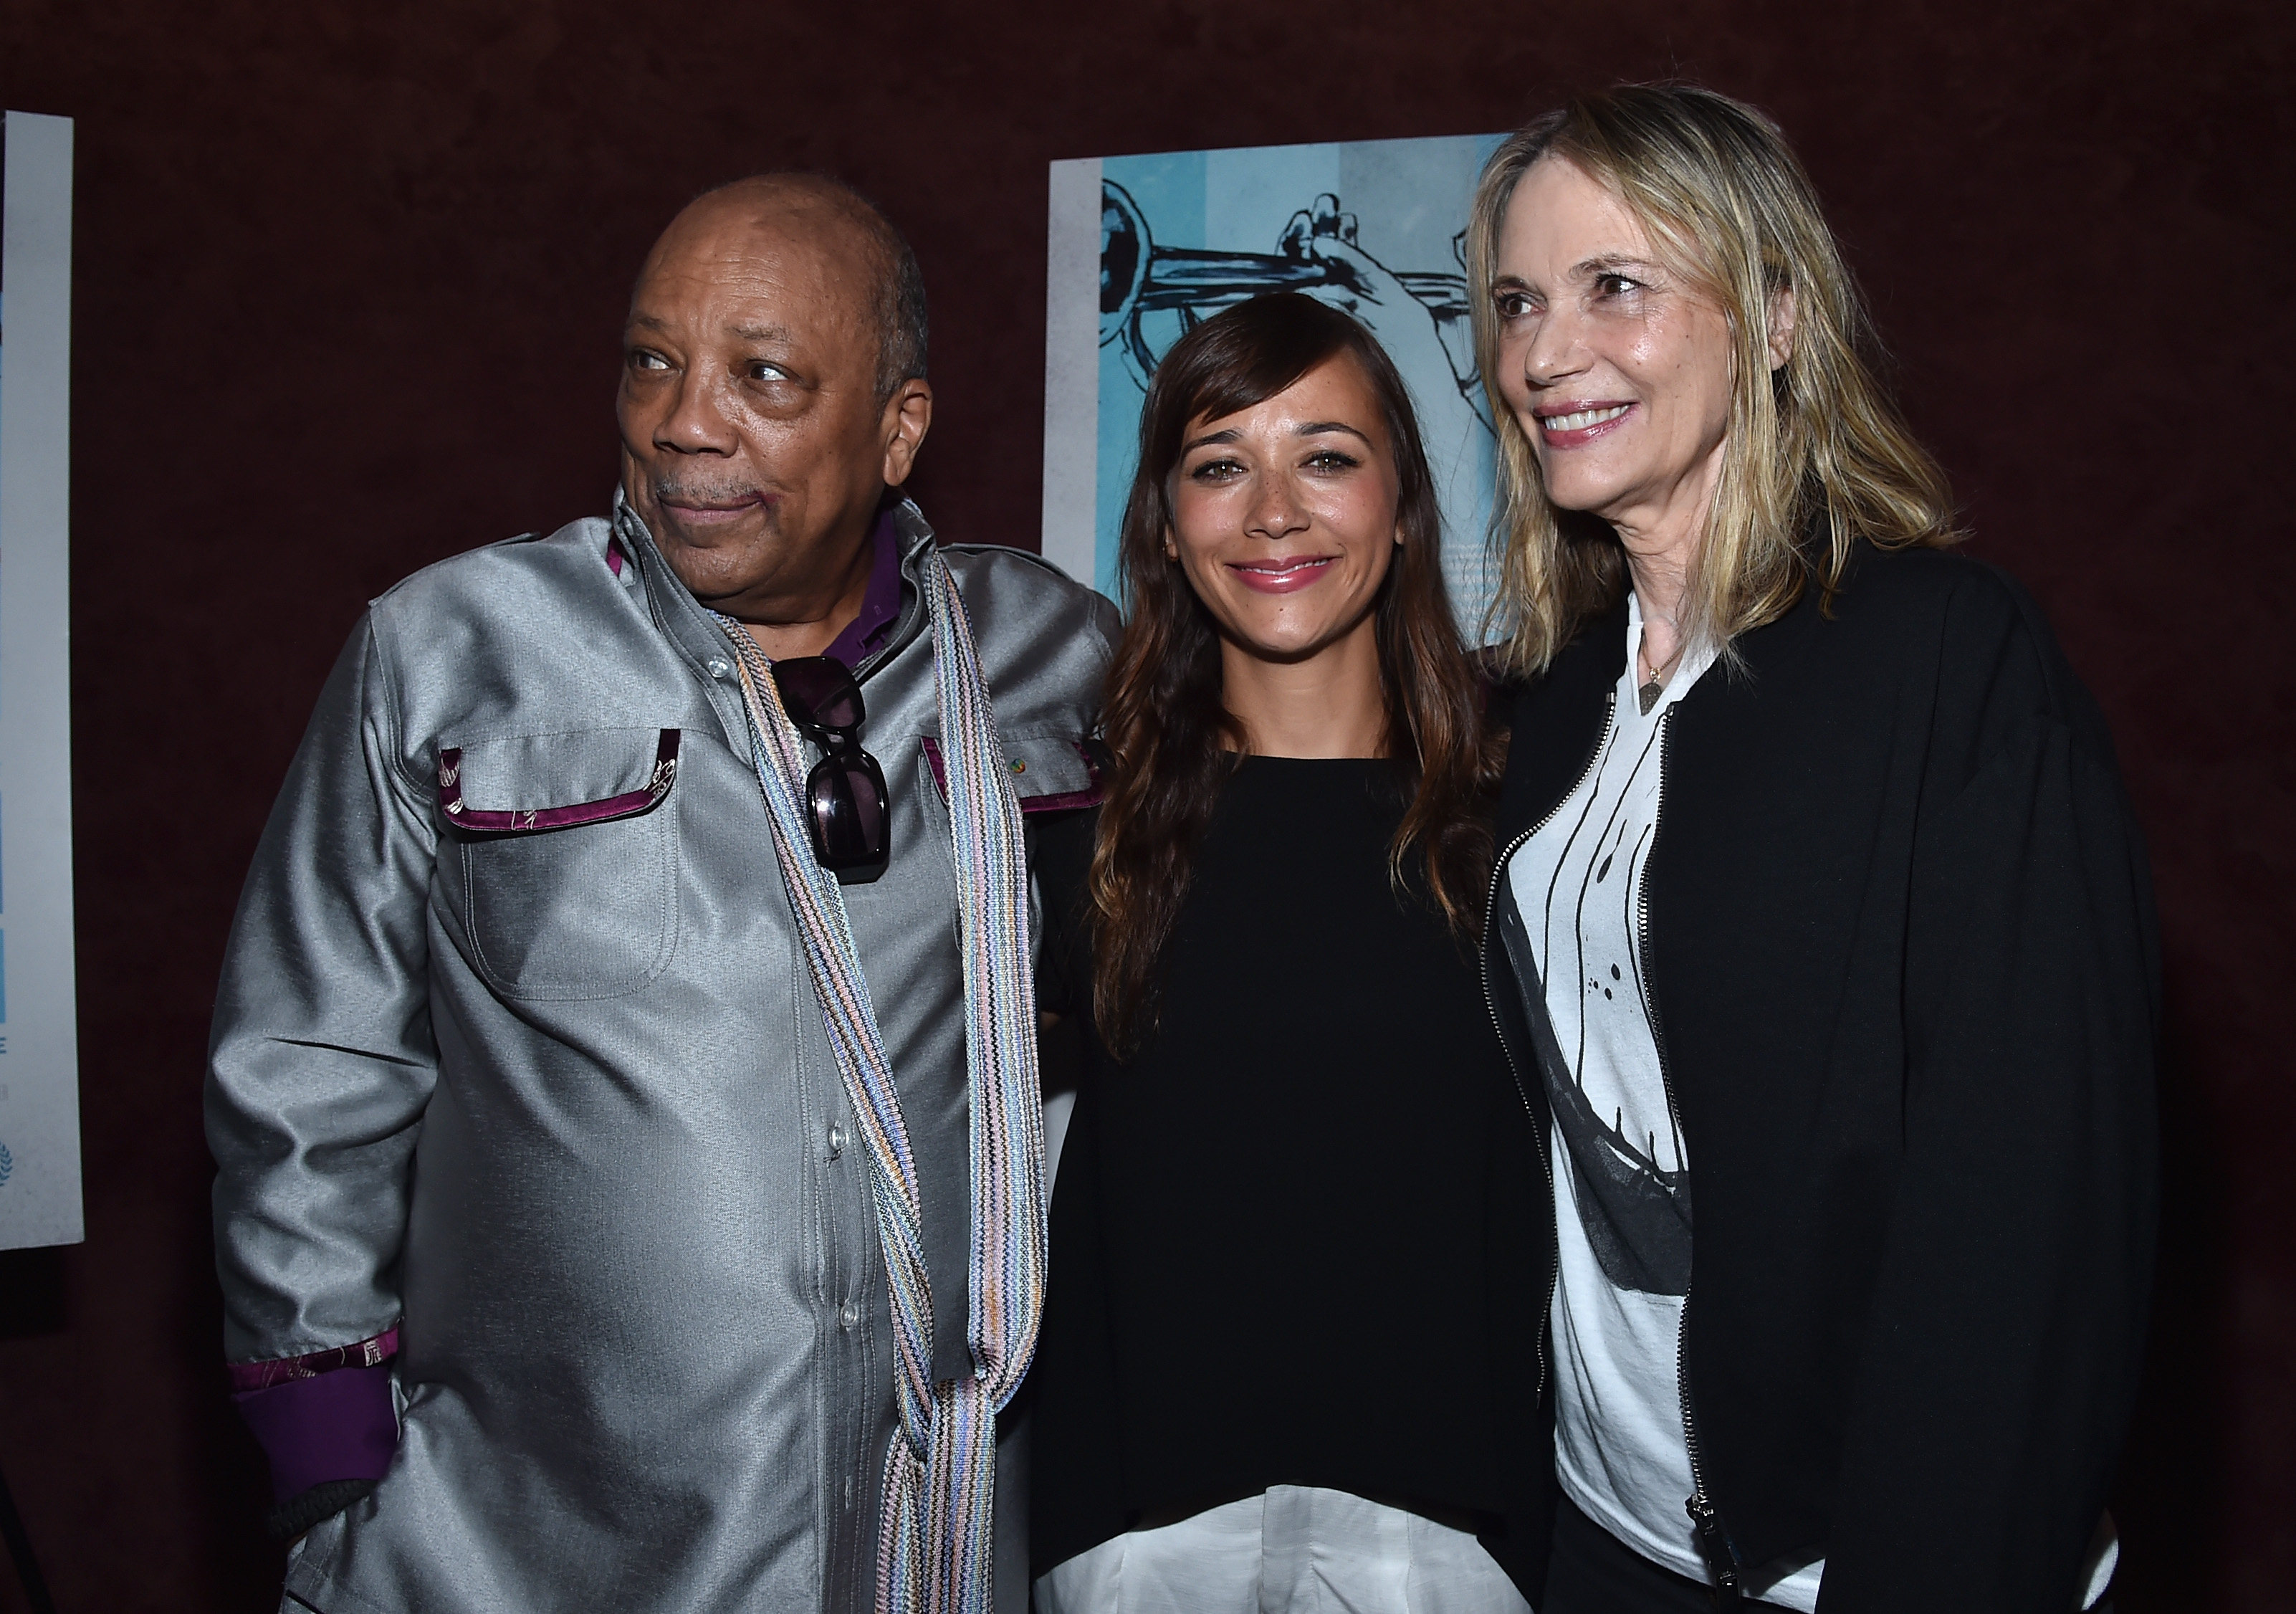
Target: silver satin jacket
<point>562,1100</point>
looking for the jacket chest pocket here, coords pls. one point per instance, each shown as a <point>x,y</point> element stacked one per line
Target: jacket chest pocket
<point>1051,773</point>
<point>567,858</point>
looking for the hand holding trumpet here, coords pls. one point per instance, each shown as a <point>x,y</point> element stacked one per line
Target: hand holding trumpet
<point>1356,283</point>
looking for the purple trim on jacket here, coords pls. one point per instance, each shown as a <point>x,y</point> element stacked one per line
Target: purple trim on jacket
<point>249,1376</point>
<point>1093,795</point>
<point>519,821</point>
<point>337,1425</point>
<point>880,605</point>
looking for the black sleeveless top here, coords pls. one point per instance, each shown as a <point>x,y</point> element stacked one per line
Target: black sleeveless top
<point>1293,1238</point>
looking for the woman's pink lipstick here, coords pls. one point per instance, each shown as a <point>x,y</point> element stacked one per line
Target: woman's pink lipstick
<point>1579,422</point>
<point>1282,574</point>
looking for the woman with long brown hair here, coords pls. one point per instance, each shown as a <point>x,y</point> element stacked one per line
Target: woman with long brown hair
<point>1295,1281</point>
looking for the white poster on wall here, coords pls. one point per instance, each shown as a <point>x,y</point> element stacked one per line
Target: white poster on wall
<point>39,1041</point>
<point>1141,249</point>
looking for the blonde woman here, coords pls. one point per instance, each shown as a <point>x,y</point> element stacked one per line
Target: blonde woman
<point>1818,908</point>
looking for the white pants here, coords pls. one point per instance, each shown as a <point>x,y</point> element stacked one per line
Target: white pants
<point>1293,1550</point>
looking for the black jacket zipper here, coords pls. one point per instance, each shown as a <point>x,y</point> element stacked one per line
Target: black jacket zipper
<point>1714,1542</point>
<point>1490,921</point>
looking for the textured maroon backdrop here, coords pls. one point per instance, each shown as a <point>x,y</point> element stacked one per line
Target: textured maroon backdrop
<point>349,284</point>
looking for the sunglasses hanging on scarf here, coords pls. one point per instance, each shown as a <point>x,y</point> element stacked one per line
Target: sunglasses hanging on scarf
<point>844,792</point>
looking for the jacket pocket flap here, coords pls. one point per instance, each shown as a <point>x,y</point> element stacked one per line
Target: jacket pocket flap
<point>1051,773</point>
<point>531,782</point>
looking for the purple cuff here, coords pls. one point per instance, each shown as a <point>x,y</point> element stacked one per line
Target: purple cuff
<point>337,1425</point>
<point>363,1353</point>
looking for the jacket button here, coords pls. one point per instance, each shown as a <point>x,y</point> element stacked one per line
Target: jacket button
<point>719,666</point>
<point>836,1142</point>
<point>849,1314</point>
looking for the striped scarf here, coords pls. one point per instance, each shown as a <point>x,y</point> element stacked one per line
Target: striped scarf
<point>934,1554</point>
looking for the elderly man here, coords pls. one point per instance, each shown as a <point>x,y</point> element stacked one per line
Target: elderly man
<point>622,1078</point>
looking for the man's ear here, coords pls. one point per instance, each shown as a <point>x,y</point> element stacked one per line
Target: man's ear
<point>909,416</point>
<point>1781,327</point>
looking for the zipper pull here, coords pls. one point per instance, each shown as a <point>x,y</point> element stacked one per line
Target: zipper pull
<point>1720,1552</point>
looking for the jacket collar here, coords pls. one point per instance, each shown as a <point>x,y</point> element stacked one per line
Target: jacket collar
<point>1559,715</point>
<point>1558,721</point>
<point>690,627</point>
<point>915,537</point>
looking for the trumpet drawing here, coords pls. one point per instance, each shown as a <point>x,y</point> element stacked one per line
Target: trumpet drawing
<point>1151,295</point>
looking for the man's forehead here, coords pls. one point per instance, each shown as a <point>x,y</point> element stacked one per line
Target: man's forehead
<point>805,263</point>
<point>738,231</point>
<point>739,254</point>
<point>734,316</point>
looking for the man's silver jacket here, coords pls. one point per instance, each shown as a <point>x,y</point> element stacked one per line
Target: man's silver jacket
<point>563,1100</point>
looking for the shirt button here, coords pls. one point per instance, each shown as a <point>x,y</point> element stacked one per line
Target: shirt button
<point>847,1314</point>
<point>836,1142</point>
<point>719,666</point>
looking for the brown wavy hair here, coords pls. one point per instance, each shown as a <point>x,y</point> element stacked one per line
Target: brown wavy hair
<point>1174,740</point>
<point>1817,457</point>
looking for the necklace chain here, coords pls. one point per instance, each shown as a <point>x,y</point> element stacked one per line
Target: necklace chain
<point>1653,683</point>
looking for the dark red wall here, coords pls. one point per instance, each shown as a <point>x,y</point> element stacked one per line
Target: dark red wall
<point>349,283</point>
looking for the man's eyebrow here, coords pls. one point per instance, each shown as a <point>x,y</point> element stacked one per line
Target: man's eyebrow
<point>762,333</point>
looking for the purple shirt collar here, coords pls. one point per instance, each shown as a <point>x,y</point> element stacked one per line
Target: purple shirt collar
<point>880,606</point>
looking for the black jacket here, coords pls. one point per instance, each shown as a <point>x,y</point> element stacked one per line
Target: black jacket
<point>1901,954</point>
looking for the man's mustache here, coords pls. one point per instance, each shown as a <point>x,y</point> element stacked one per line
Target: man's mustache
<point>702,490</point>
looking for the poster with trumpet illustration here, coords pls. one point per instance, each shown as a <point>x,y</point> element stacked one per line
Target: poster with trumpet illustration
<point>1143,248</point>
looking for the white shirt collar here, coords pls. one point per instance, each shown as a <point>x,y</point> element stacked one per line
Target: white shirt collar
<point>1687,673</point>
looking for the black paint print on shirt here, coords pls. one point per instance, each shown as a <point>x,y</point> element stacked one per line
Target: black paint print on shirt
<point>1602,872</point>
<point>1637,1216</point>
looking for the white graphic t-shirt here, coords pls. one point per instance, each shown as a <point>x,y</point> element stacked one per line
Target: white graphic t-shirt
<point>1621,1170</point>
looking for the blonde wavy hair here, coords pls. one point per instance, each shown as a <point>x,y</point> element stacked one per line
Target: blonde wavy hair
<point>1814,462</point>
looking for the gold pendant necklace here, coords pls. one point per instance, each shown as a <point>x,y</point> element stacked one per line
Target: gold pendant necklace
<point>1654,684</point>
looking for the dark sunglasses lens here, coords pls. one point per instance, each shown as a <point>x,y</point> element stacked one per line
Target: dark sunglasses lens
<point>818,690</point>
<point>847,794</point>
